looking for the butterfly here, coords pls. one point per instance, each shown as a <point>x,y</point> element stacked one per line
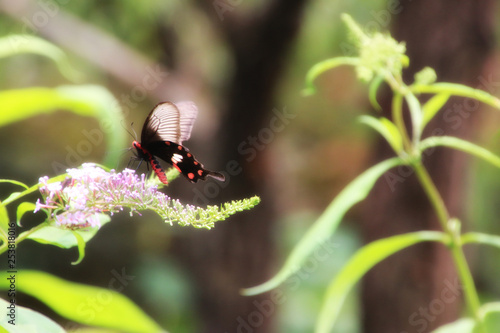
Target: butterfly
<point>165,128</point>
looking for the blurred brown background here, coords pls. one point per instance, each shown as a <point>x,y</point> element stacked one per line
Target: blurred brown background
<point>243,63</point>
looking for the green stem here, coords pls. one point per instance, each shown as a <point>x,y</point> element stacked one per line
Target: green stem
<point>463,270</point>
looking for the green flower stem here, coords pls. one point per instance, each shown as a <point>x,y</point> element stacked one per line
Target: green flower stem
<point>434,196</point>
<point>471,297</point>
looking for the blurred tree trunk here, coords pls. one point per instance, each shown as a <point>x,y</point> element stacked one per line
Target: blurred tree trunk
<point>416,290</point>
<point>238,253</point>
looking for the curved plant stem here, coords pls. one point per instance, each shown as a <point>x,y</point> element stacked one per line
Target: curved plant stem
<point>456,249</point>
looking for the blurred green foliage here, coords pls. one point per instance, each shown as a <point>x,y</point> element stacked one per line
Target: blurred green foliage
<point>324,127</point>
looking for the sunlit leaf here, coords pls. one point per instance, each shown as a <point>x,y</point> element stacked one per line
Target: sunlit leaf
<point>480,238</point>
<point>89,100</point>
<point>81,247</point>
<point>462,325</point>
<point>374,85</point>
<point>326,224</point>
<point>61,237</point>
<point>432,106</point>
<point>22,209</point>
<point>4,222</point>
<point>322,67</point>
<point>27,321</point>
<point>15,182</point>
<point>19,44</point>
<point>490,313</point>
<point>362,261</point>
<point>416,116</point>
<point>457,90</point>
<point>84,304</point>
<point>463,145</point>
<point>387,129</point>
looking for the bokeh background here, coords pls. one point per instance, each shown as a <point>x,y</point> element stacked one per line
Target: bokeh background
<point>243,62</point>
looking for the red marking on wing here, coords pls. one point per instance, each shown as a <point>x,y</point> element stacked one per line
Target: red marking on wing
<point>190,175</point>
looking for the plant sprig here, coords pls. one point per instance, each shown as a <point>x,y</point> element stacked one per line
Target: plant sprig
<point>382,59</point>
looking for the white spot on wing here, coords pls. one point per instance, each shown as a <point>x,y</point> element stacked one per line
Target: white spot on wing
<point>176,158</point>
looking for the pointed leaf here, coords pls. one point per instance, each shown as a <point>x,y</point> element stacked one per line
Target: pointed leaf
<point>322,67</point>
<point>63,238</point>
<point>463,145</point>
<point>88,100</point>
<point>374,85</point>
<point>432,107</point>
<point>416,116</point>
<point>387,129</point>
<point>362,261</point>
<point>462,325</point>
<point>4,222</point>
<point>81,247</point>
<point>326,224</point>
<point>488,308</point>
<point>480,238</point>
<point>23,208</point>
<point>15,182</point>
<point>85,304</point>
<point>27,321</point>
<point>457,90</point>
<point>18,44</point>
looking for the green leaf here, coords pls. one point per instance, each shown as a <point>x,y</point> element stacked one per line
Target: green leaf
<point>322,67</point>
<point>490,313</point>
<point>432,107</point>
<point>16,195</point>
<point>85,304</point>
<point>15,182</point>
<point>456,90</point>
<point>63,238</point>
<point>462,325</point>
<point>19,44</point>
<point>416,116</point>
<point>489,308</point>
<point>81,247</point>
<point>326,224</point>
<point>27,321</point>
<point>22,209</point>
<point>88,100</point>
<point>4,223</point>
<point>387,129</point>
<point>374,85</point>
<point>463,145</point>
<point>362,261</point>
<point>480,238</point>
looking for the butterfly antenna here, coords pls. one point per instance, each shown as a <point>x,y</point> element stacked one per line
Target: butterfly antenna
<point>134,136</point>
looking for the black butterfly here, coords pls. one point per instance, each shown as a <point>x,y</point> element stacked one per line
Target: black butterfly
<point>164,130</point>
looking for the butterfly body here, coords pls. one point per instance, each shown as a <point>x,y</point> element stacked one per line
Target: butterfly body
<point>164,130</point>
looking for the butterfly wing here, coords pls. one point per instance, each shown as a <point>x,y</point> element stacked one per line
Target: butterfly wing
<point>169,122</point>
<point>166,127</point>
<point>188,113</point>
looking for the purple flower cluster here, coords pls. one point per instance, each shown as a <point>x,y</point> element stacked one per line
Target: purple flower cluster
<point>88,192</point>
